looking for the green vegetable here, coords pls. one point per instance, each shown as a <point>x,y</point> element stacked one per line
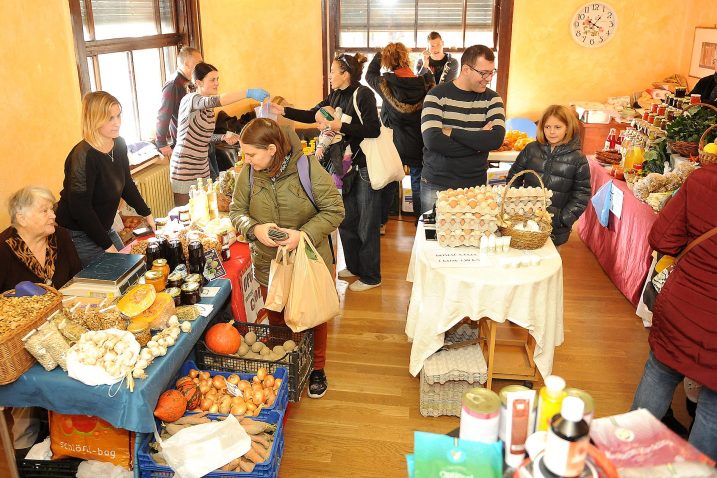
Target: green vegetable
<point>655,157</point>
<point>691,125</point>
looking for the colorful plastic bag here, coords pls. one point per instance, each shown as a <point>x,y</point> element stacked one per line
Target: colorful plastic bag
<point>312,299</point>
<point>279,280</point>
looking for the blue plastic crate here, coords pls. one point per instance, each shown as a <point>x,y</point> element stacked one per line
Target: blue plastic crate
<point>269,469</point>
<point>282,397</point>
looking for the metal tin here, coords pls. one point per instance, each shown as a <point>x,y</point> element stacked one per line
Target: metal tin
<point>504,408</point>
<point>509,388</point>
<point>155,279</point>
<point>587,399</point>
<point>176,294</point>
<point>175,279</point>
<point>190,293</point>
<point>480,415</point>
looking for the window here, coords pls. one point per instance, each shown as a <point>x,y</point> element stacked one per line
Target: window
<point>368,25</point>
<point>128,48</point>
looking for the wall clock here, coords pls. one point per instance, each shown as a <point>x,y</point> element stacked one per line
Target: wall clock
<point>594,24</point>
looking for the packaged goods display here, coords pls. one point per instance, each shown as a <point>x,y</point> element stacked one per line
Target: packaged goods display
<point>464,215</point>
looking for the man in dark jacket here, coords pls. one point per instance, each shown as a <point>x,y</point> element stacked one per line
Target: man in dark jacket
<point>443,66</point>
<point>707,86</point>
<point>402,93</point>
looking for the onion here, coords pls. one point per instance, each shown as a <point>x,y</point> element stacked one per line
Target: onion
<point>277,384</point>
<point>224,409</point>
<point>206,404</point>
<point>233,379</point>
<point>250,406</point>
<point>248,395</point>
<point>237,401</point>
<point>261,373</point>
<point>271,399</point>
<point>225,401</point>
<point>204,375</point>
<point>269,381</point>
<point>243,385</point>
<point>258,397</point>
<point>219,382</point>
<point>239,409</point>
<point>256,379</point>
<point>214,408</point>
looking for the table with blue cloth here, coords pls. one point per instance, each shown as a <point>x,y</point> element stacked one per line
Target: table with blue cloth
<point>56,391</point>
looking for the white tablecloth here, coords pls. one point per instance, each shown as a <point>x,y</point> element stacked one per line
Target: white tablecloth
<point>529,296</point>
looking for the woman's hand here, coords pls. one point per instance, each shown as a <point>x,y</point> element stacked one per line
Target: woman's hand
<point>293,240</point>
<point>261,231</point>
<point>231,138</point>
<point>112,249</point>
<point>277,109</point>
<point>150,221</point>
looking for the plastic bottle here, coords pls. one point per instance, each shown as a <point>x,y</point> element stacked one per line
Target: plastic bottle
<point>611,140</point>
<point>551,397</point>
<point>568,440</point>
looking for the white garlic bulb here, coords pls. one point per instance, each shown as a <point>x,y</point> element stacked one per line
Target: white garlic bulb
<point>152,343</point>
<point>162,342</point>
<point>174,332</point>
<point>169,341</point>
<point>146,355</point>
<point>186,326</point>
<point>120,347</point>
<point>162,350</point>
<point>173,320</point>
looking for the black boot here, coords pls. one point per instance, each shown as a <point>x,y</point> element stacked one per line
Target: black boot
<point>317,384</point>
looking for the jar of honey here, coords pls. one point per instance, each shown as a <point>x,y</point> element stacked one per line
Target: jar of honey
<point>161,266</point>
<point>155,279</point>
<point>190,293</point>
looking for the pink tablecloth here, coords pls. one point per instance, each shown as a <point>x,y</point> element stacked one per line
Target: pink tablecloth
<point>621,248</point>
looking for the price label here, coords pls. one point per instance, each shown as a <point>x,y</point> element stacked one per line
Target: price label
<point>209,291</point>
<point>234,390</point>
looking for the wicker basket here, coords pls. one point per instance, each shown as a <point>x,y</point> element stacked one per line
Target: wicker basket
<point>14,359</point>
<point>707,158</point>
<point>524,239</point>
<point>690,148</point>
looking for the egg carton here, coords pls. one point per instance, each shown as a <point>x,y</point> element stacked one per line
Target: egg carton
<point>464,364</point>
<point>440,399</point>
<point>459,238</point>
<point>523,192</point>
<point>483,223</point>
<point>467,200</point>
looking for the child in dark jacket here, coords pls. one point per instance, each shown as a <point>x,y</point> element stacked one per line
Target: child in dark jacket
<point>564,169</point>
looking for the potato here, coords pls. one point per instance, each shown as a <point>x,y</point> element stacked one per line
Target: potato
<point>289,345</point>
<point>265,351</point>
<point>278,350</point>
<point>257,347</point>
<point>243,349</point>
<point>250,338</point>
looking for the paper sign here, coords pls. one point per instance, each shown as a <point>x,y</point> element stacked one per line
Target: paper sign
<point>253,301</point>
<point>616,206</point>
<point>209,291</point>
<point>464,257</point>
<point>204,309</point>
<point>233,390</point>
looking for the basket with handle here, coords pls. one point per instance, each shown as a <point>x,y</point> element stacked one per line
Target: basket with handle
<point>689,148</point>
<point>14,359</point>
<point>705,157</point>
<point>520,239</point>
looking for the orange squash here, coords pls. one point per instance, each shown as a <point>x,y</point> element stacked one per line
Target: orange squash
<point>157,314</point>
<point>193,396</point>
<point>137,300</point>
<point>171,406</point>
<point>223,338</point>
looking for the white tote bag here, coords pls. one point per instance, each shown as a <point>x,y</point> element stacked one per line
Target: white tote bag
<point>382,159</point>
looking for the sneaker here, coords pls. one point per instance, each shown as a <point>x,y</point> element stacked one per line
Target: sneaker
<point>359,286</point>
<point>382,231</point>
<point>345,274</point>
<point>317,384</point>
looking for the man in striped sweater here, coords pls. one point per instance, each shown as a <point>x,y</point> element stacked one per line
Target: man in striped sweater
<point>461,122</point>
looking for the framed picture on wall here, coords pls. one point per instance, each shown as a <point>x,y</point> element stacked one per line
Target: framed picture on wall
<point>704,50</point>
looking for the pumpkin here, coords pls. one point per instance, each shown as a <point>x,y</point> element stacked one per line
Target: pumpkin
<point>137,300</point>
<point>170,406</point>
<point>223,338</point>
<point>184,382</point>
<point>193,396</point>
<point>158,313</point>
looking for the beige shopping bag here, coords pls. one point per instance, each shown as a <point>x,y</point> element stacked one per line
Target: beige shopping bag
<point>280,272</point>
<point>313,299</point>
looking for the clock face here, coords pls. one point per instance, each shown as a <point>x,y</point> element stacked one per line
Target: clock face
<point>594,24</point>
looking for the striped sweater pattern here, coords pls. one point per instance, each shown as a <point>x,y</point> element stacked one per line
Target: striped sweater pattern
<point>461,159</point>
<point>194,133</point>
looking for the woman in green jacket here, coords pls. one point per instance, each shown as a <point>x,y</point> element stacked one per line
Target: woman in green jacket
<point>272,197</point>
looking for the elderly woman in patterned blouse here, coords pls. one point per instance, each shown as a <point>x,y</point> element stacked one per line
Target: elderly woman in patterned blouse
<point>34,248</point>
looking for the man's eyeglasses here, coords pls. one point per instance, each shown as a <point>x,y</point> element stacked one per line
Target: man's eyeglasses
<point>484,74</point>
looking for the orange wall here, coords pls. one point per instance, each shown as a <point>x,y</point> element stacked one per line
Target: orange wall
<point>653,40</point>
<point>40,116</point>
<point>275,45</point>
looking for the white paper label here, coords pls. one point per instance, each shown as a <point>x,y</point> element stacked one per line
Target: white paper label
<point>209,291</point>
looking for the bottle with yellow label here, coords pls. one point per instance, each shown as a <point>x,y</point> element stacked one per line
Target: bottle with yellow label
<point>551,398</point>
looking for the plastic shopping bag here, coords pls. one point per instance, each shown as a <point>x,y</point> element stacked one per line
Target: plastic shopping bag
<point>279,280</point>
<point>601,201</point>
<point>200,449</point>
<point>312,299</point>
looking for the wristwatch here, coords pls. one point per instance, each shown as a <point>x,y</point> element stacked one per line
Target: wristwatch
<point>250,234</point>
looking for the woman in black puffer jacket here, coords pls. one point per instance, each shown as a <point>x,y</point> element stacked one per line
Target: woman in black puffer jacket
<point>402,93</point>
<point>557,158</point>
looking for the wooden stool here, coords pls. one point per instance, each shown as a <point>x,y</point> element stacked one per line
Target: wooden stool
<point>513,349</point>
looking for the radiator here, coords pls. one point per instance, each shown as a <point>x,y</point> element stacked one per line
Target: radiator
<point>154,186</point>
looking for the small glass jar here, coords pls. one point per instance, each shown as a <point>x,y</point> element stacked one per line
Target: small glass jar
<point>680,91</point>
<point>695,99</point>
<point>176,294</point>
<point>645,115</point>
<point>198,278</point>
<point>662,109</point>
<point>653,108</point>
<point>155,279</point>
<point>161,266</point>
<point>175,279</point>
<point>190,293</point>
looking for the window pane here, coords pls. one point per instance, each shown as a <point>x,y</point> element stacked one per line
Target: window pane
<point>353,39</point>
<point>452,38</point>
<point>392,20</point>
<point>123,18</point>
<point>149,89</point>
<point>474,37</point>
<point>170,61</point>
<point>91,71</point>
<point>114,74</point>
<point>443,16</point>
<point>353,23</point>
<point>479,23</point>
<point>380,38</point>
<point>165,11</point>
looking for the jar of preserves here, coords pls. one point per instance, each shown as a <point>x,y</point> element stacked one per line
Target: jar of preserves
<point>653,108</point>
<point>176,294</point>
<point>190,293</point>
<point>160,265</point>
<point>175,279</point>
<point>141,332</point>
<point>155,279</point>
<point>662,109</point>
<point>695,99</point>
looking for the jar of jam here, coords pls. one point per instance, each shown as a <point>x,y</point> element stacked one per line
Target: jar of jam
<point>190,293</point>
<point>153,252</point>
<point>662,109</point>
<point>160,265</point>
<point>645,115</point>
<point>653,108</point>
<point>155,279</point>
<point>176,294</point>
<point>198,278</point>
<point>680,91</point>
<point>175,279</point>
<point>651,118</point>
<point>695,99</point>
